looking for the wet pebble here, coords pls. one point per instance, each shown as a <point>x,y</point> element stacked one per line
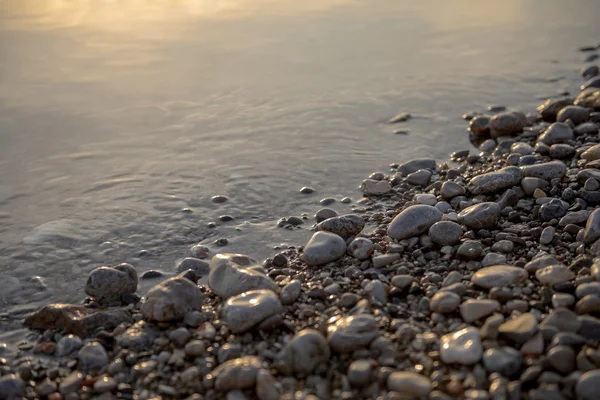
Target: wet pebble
<point>479,216</point>
<point>413,221</point>
<point>242,312</point>
<point>461,347</point>
<point>445,233</point>
<point>172,299</point>
<point>345,226</point>
<point>504,360</point>
<point>108,284</point>
<point>233,274</point>
<point>322,248</point>
<point>352,332</point>
<point>237,374</point>
<point>325,213</point>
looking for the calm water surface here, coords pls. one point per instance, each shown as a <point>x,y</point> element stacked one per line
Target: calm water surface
<point>115,116</point>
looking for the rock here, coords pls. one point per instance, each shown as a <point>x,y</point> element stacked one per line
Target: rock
<point>554,274</point>
<point>444,302</point>
<point>360,373</point>
<point>561,151</point>
<point>92,357</point>
<point>592,228</point>
<point>563,319</point>
<point>303,353</point>
<point>503,246</point>
<point>588,384</point>
<point>71,383</point>
<point>420,177</point>
<point>504,360</point>
<point>552,210</point>
<point>402,117</point>
<point>108,284</point>
<point>138,337</point>
<point>558,132</point>
<point>461,347</point>
<point>585,289</point>
<point>345,226</point>
<point>562,359</point>
<point>171,300</point>
<point>498,276</point>
<point>237,374</point>
<point>589,98</point>
<point>409,384</point>
<point>552,107</point>
<point>74,319</point>
<point>233,274</point>
<point>445,233</point>
<point>180,336</point>
<point>352,332</point>
<point>493,259</point>
<point>479,125</point>
<point>267,387</point>
<point>469,250</point>
<point>451,189</point>
<point>530,184</point>
<point>416,164</point>
<point>472,310</point>
<point>322,248</point>
<point>521,148</point>
<point>375,188</point>
<point>480,216</point>
<point>325,213</point>
<point>592,153</point>
<point>576,114</point>
<point>547,171</point>
<point>547,235</point>
<point>426,198</point>
<point>519,329</point>
<point>589,71</point>
<point>413,221</point>
<point>507,123</point>
<point>593,82</point>
<point>12,387</point>
<point>540,262</point>
<point>493,182</point>
<point>243,312</point>
<point>68,345</point>
<point>200,268</point>
<point>105,384</point>
<point>360,248</point>
<point>307,190</point>
<point>290,292</point>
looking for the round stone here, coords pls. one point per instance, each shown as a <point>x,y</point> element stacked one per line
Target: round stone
<point>360,248</point>
<point>413,221</point>
<point>108,284</point>
<point>445,233</point>
<point>322,248</point>
<point>172,299</point>
<point>470,250</point>
<point>233,274</point>
<point>372,187</point>
<point>352,332</point>
<point>498,276</point>
<point>219,199</point>
<point>444,302</point>
<point>237,374</point>
<point>554,274</point>
<point>496,181</point>
<point>410,384</point>
<point>92,357</point>
<point>472,310</point>
<point>552,107</point>
<point>325,213</point>
<point>451,189</point>
<point>248,309</point>
<point>576,114</point>
<point>68,344</point>
<point>290,292</point>
<point>345,226</point>
<point>480,216</point>
<point>561,151</point>
<point>592,228</point>
<point>558,132</point>
<point>200,267</point>
<point>360,372</point>
<point>562,359</point>
<point>461,347</point>
<point>503,360</point>
<point>588,384</point>
<point>303,353</point>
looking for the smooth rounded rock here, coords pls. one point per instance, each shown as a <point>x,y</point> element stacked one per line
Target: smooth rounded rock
<point>68,345</point>
<point>576,114</point>
<point>504,360</point>
<point>592,153</point>
<point>322,248</point>
<point>237,374</point>
<point>107,284</point>
<point>242,312</point>
<point>420,177</point>
<point>547,171</point>
<point>493,182</point>
<point>445,233</point>
<point>12,387</point>
<point>360,373</point>
<point>360,248</point>
<point>413,221</point>
<point>200,267</point>
<point>554,274</point>
<point>325,213</point>
<point>507,123</point>
<point>589,98</point>
<point>588,384</point>
<point>519,329</point>
<point>480,216</point>
<point>561,151</point>
<point>592,228</point>
<point>444,302</point>
<point>290,292</point>
<point>92,357</point>
<point>352,332</point>
<point>470,250</point>
<point>451,189</point>
<point>375,188</point>
<point>233,274</point>
<point>303,353</point>
<point>171,300</point>
<point>498,276</point>
<point>461,347</point>
<point>558,132</point>
<point>415,165</point>
<point>530,184</point>
<point>345,226</point>
<point>472,310</point>
<point>410,384</point>
<point>551,107</point>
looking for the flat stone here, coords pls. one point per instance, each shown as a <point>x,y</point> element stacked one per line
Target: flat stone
<point>461,347</point>
<point>445,233</point>
<point>322,248</point>
<point>345,226</point>
<point>584,289</point>
<point>592,228</point>
<point>416,164</point>
<point>233,274</point>
<point>469,250</point>
<point>547,171</point>
<point>498,276</point>
<point>242,312</point>
<point>588,384</point>
<point>172,299</point>
<point>353,332</point>
<point>410,384</point>
<point>375,188</point>
<point>71,383</point>
<point>493,259</point>
<point>92,357</point>
<point>237,374</point>
<point>591,154</point>
<point>541,262</point>
<point>558,132</point>
<point>413,221</point>
<point>108,284</point>
<point>360,248</point>
<point>472,310</point>
<point>303,353</point>
<point>360,373</point>
<point>493,182</point>
<point>504,360</point>
<point>480,216</point>
<point>519,329</point>
<point>554,274</point>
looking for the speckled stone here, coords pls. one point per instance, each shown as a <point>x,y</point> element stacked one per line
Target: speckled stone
<point>107,284</point>
<point>237,374</point>
<point>493,182</point>
<point>445,233</point>
<point>345,226</point>
<point>233,274</point>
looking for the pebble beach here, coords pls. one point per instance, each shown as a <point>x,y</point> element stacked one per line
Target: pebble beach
<point>476,278</point>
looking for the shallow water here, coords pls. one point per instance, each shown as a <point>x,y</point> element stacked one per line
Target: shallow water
<point>115,116</point>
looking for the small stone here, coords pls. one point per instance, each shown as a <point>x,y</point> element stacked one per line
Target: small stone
<point>427,199</point>
<point>451,189</point>
<point>558,132</point>
<point>71,383</point>
<point>519,329</point>
<point>307,190</point>
<point>413,221</point>
<point>479,125</point>
<point>521,148</point>
<point>552,107</point>
<point>564,320</point>
<point>180,336</point>
<point>108,284</point>
<point>493,182</point>
<point>444,302</point>
<point>503,246</point>
<point>416,164</point>
<point>503,360</point>
<point>529,185</point>
<point>576,114</point>
<point>588,384</point>
<point>461,347</point>
<point>237,374</point>
<point>360,248</point>
<point>360,372</point>
<point>402,117</point>
<point>375,188</point>
<point>480,216</point>
<point>172,299</point>
<point>266,386</point>
<point>290,292</point>
<point>194,348</point>
<point>547,235</point>
<point>352,332</point>
<point>507,123</point>
<point>402,281</point>
<point>562,300</point>
<point>420,177</point>
<point>219,198</point>
<point>552,210</point>
<point>68,345</point>
<point>303,353</point>
<point>498,276</point>
<point>547,171</point>
<point>322,248</point>
<point>472,310</point>
<point>410,384</point>
<point>345,226</point>
<point>92,357</point>
<point>554,274</point>
<point>200,267</point>
<point>470,250</point>
<point>325,213</point>
<point>562,359</point>
<point>445,233</point>
<point>12,387</point>
<point>233,274</point>
<point>592,228</point>
<point>248,309</point>
<point>385,259</point>
<point>589,98</point>
<point>105,384</point>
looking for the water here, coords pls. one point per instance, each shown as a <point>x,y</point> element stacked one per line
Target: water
<point>115,116</point>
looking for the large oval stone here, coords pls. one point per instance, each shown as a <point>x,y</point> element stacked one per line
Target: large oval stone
<point>345,226</point>
<point>480,216</point>
<point>493,182</point>
<point>232,274</point>
<point>322,248</point>
<point>461,347</point>
<point>171,299</point>
<point>352,332</point>
<point>498,276</point>
<point>243,312</point>
<point>107,284</point>
<point>547,171</point>
<point>413,221</point>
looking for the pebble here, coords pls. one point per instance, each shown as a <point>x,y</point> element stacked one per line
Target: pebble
<point>68,345</point>
<point>521,148</point>
<point>562,358</point>
<point>303,353</point>
<point>410,384</point>
<point>551,107</point>
<point>233,274</point>
<point>504,360</point>
<point>529,185</point>
<point>588,288</point>
<point>547,235</point>
<point>493,259</point>
<point>503,246</point>
<point>267,387</point>
<point>105,384</point>
<point>290,292</point>
<point>588,384</point>
<point>479,125</point>
<point>589,98</point>
<point>493,182</point>
<point>576,114</point>
<point>360,248</point>
<point>592,228</point>
<point>451,189</point>
<point>360,372</point>
<point>561,151</point>
<point>444,302</point>
<point>219,198</point>
<point>352,332</point>
<point>71,383</point>
<point>420,177</point>
<point>200,267</point>
<point>558,132</point>
<point>345,226</point>
<point>322,248</point>
<point>445,233</point>
<point>375,188</point>
<point>507,123</point>
<point>498,276</point>
<point>92,357</point>
<point>108,284</point>
<point>171,300</point>
<point>194,348</point>
<point>325,213</point>
<point>480,216</point>
<point>519,329</point>
<point>402,117</point>
<point>413,221</point>
<point>426,199</point>
<point>461,347</point>
<point>12,387</point>
<point>470,250</point>
<point>472,310</point>
<point>415,165</point>
<point>592,153</point>
<point>547,171</point>
<point>554,274</point>
<point>242,312</point>
<point>180,336</point>
<point>237,374</point>
<point>307,190</point>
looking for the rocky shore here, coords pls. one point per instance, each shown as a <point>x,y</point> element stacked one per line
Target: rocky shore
<point>475,280</point>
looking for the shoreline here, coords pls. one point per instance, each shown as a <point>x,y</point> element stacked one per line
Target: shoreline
<point>474,280</point>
